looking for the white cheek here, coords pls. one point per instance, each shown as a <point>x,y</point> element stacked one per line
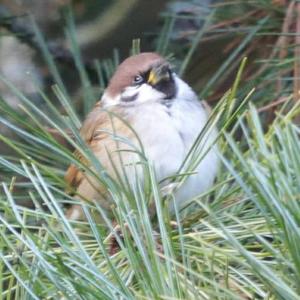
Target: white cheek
<point>130,92</point>
<point>107,100</point>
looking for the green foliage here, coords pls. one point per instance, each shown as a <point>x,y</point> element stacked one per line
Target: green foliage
<point>237,241</point>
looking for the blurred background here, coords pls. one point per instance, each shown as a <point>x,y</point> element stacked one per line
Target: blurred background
<point>205,40</point>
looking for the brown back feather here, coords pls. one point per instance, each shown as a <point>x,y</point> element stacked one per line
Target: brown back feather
<point>94,132</point>
<point>95,119</point>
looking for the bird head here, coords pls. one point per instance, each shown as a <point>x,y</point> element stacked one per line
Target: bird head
<point>142,78</point>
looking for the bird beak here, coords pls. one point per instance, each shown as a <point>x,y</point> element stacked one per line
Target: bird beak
<point>158,74</point>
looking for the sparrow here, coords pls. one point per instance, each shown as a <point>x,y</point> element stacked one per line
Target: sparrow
<point>145,102</point>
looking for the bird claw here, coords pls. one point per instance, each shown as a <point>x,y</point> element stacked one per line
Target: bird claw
<point>114,246</point>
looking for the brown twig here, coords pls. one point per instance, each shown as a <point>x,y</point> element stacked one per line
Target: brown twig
<point>234,20</point>
<point>280,43</point>
<point>283,40</point>
<point>273,104</point>
<point>297,57</point>
<point>55,131</point>
<point>219,25</point>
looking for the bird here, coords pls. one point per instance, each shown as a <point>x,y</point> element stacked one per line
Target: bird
<point>145,102</point>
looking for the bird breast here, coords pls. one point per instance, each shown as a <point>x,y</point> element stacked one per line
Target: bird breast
<point>167,134</point>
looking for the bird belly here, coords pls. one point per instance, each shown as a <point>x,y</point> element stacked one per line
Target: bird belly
<point>189,118</point>
<point>167,136</point>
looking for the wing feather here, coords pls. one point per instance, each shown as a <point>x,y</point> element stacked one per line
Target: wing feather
<point>97,131</point>
<point>95,120</point>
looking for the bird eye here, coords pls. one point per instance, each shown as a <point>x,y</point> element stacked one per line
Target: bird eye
<point>138,79</point>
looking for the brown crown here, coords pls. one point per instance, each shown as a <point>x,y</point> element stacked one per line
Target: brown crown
<point>129,68</point>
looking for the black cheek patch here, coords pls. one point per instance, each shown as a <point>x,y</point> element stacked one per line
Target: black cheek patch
<point>129,98</point>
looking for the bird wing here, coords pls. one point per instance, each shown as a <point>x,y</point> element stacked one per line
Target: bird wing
<point>95,120</point>
<point>97,131</point>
